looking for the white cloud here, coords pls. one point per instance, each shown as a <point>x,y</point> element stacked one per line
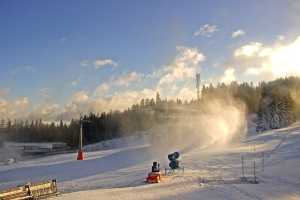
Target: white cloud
<point>45,111</point>
<point>248,50</point>
<point>206,30</point>
<point>102,89</point>
<point>122,100</point>
<point>229,76</point>
<point>122,80</point>
<point>176,74</point>
<point>80,97</point>
<point>80,103</point>
<point>98,63</point>
<point>23,102</point>
<point>268,62</point>
<point>238,33</point>
<point>49,109</point>
<point>180,73</point>
<point>126,79</point>
<point>103,62</point>
<point>280,37</point>
<point>74,82</point>
<point>284,60</point>
<point>183,66</point>
<point>253,71</point>
<point>84,62</point>
<point>45,93</point>
<point>14,109</point>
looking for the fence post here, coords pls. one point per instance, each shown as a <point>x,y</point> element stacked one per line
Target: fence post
<point>243,173</point>
<point>254,171</point>
<point>263,161</point>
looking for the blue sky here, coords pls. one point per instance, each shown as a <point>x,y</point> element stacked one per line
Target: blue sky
<point>49,49</point>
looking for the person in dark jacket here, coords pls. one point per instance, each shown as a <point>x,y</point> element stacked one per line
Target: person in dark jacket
<point>155,167</point>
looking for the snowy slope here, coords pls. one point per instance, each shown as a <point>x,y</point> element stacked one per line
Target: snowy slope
<point>119,173</point>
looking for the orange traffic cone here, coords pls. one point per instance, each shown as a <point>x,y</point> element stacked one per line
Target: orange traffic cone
<point>80,155</point>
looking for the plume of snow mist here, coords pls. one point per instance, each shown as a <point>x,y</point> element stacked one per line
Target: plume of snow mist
<point>214,123</point>
<point>295,95</point>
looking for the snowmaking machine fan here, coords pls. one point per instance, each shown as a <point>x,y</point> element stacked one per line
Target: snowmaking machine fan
<point>174,164</point>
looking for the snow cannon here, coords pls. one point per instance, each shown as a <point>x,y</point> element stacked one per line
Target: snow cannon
<point>174,164</point>
<point>154,176</point>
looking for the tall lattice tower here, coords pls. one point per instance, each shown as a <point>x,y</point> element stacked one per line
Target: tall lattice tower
<point>198,85</point>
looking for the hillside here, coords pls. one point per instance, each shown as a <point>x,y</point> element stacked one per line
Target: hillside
<point>119,173</point>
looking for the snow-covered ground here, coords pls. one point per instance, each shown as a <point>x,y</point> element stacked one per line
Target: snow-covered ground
<point>119,173</point>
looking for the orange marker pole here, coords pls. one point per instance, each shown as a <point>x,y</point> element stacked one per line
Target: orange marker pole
<point>80,155</point>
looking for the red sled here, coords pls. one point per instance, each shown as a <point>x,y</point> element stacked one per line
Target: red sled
<point>154,177</point>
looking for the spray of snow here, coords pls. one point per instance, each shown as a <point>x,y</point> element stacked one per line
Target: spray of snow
<point>216,124</point>
<point>295,94</point>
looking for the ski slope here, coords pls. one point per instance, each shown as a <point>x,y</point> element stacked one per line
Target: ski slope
<point>119,173</point>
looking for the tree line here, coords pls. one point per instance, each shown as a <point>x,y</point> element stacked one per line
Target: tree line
<point>275,104</point>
